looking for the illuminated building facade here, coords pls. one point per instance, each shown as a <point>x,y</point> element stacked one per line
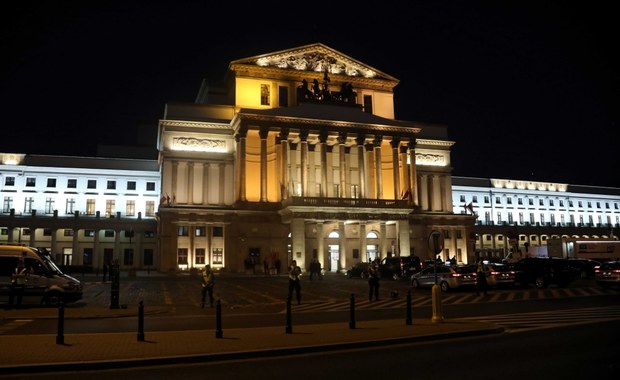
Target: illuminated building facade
<point>513,214</point>
<point>297,156</point>
<point>86,211</point>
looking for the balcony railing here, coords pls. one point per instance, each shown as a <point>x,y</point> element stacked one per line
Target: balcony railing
<point>346,202</point>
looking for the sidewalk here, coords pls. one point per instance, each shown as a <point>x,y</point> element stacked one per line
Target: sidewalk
<point>73,352</point>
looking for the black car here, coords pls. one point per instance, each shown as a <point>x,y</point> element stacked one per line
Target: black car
<point>584,268</point>
<point>399,267</point>
<point>543,271</point>
<point>359,270</point>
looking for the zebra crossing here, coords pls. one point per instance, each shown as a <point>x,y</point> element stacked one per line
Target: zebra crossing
<point>521,322</point>
<point>422,299</point>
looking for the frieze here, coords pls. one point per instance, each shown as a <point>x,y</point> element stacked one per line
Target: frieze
<point>430,159</point>
<point>195,143</point>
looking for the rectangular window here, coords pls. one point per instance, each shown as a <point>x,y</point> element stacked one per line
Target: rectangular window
<point>218,231</point>
<point>150,208</point>
<point>128,256</point>
<point>182,256</point>
<point>111,185</point>
<point>31,182</point>
<point>51,182</point>
<point>110,207</point>
<point>201,231</point>
<point>462,198</point>
<point>283,96</point>
<point>7,204</point>
<point>218,256</point>
<point>70,206</point>
<point>474,199</point>
<point>509,201</point>
<point>183,231</point>
<point>72,183</point>
<point>9,181</point>
<point>108,233</point>
<point>486,199</point>
<point>90,206</point>
<point>49,205</point>
<point>264,94</point>
<point>530,202</point>
<point>88,256</point>
<point>541,202</point>
<point>130,208</point>
<point>131,185</point>
<point>89,233</point>
<point>368,103</point>
<point>68,232</point>
<point>47,232</point>
<point>91,184</point>
<point>28,201</point>
<point>200,256</point>
<point>150,186</point>
<point>149,234</point>
<point>148,257</point>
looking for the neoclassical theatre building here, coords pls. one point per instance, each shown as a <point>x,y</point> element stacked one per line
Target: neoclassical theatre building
<point>297,155</point>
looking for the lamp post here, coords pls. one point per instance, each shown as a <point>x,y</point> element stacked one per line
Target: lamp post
<point>435,244</point>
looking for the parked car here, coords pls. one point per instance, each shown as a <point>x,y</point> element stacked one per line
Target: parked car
<point>359,270</point>
<point>499,274</point>
<point>399,267</point>
<point>584,268</point>
<point>608,274</point>
<point>543,271</point>
<point>448,277</point>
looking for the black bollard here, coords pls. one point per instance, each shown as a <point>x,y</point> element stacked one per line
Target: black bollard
<point>141,322</point>
<point>218,320</point>
<point>409,317</point>
<point>352,312</point>
<point>115,275</point>
<point>289,325</point>
<point>60,337</point>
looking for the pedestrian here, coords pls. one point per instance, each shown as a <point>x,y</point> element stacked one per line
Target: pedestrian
<point>18,284</point>
<point>278,265</point>
<point>294,282</point>
<point>318,270</point>
<point>373,281</point>
<point>481,279</point>
<point>265,267</point>
<point>207,285</point>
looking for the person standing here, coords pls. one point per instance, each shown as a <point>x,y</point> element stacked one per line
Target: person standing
<point>373,281</point>
<point>294,282</point>
<point>207,285</point>
<point>18,284</point>
<point>105,270</point>
<point>481,278</point>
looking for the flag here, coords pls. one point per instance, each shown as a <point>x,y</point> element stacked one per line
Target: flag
<point>406,195</point>
<point>174,198</point>
<point>162,199</point>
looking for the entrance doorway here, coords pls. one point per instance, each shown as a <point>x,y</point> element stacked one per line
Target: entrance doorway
<point>372,252</point>
<point>334,257</point>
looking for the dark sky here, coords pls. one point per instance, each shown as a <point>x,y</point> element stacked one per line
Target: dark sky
<point>528,89</point>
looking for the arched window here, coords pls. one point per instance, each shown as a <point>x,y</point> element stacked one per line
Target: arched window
<point>372,235</point>
<point>334,235</point>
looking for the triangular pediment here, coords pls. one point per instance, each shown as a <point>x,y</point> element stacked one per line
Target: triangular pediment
<point>315,58</point>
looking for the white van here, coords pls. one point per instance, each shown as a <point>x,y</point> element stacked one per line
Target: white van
<point>45,282</point>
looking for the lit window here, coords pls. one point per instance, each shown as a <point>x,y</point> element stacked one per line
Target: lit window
<point>264,95</point>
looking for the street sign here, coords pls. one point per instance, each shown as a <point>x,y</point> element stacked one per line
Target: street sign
<point>435,242</point>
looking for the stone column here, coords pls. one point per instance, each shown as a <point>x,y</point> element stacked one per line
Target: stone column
<point>361,163</point>
<point>298,242</point>
<point>263,133</point>
<point>241,137</point>
<point>320,243</point>
<point>370,165</point>
<point>342,139</point>
<point>403,238</point>
<point>413,172</point>
<point>342,245</point>
<point>284,161</point>
<point>303,136</point>
<point>323,142</point>
<point>363,243</point>
<point>175,177</point>
<point>190,183</point>
<point>205,183</point>
<point>395,170</point>
<point>221,197</point>
<point>406,186</point>
<point>382,240</point>
<point>378,174</point>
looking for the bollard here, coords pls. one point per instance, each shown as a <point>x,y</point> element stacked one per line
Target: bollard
<point>352,312</point>
<point>60,338</point>
<point>218,320</point>
<point>141,322</point>
<point>289,326</point>
<point>409,318</point>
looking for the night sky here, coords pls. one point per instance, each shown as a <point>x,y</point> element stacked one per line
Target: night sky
<point>529,90</point>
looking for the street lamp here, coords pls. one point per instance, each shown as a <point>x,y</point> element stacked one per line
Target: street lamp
<point>435,244</point>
